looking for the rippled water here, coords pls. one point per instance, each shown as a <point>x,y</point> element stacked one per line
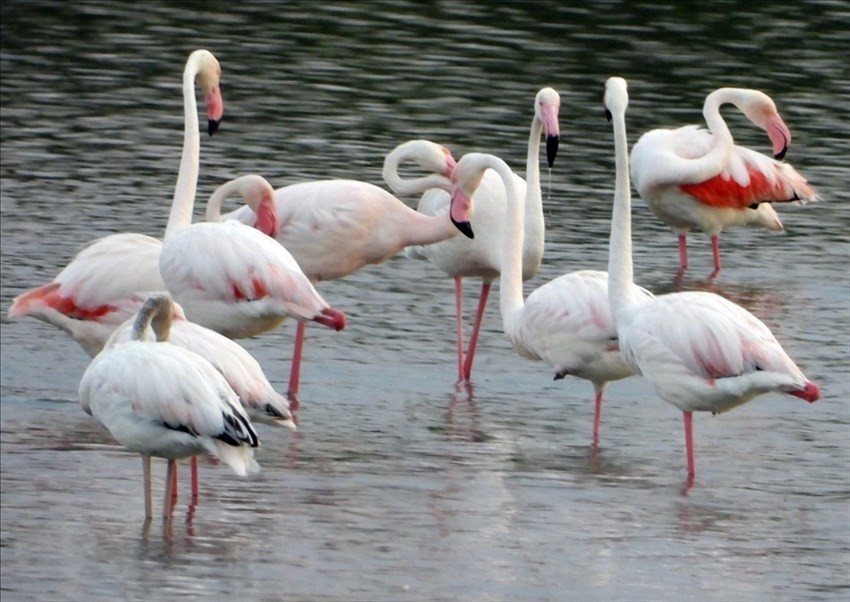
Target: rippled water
<point>398,486</point>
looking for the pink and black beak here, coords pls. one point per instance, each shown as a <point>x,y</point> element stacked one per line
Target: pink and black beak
<point>459,212</point>
<point>215,109</point>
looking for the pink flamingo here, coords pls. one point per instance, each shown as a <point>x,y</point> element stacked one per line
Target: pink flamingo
<point>162,400</point>
<point>700,351</point>
<point>335,227</point>
<point>481,256</point>
<point>693,178</point>
<point>99,289</point>
<point>566,322</point>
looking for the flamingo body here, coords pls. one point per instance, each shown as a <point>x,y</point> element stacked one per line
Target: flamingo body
<point>238,367</point>
<point>250,286</point>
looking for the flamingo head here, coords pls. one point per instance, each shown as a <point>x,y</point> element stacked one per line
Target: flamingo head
<point>761,110</point>
<point>258,194</point>
<point>547,103</point>
<point>465,180</point>
<point>208,76</point>
<point>810,392</point>
<point>616,99</point>
<point>332,318</point>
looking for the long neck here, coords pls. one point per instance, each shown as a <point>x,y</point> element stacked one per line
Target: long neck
<point>510,280</point>
<point>216,200</point>
<point>187,178</point>
<point>156,313</point>
<point>621,287</point>
<point>533,196</point>
<point>412,185</point>
<point>717,157</point>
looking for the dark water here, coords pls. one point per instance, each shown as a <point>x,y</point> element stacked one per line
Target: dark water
<point>398,486</point>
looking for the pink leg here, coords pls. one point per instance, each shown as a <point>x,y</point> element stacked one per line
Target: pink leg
<point>174,492</point>
<point>459,310</point>
<point>689,443</point>
<point>146,472</point>
<point>683,251</point>
<point>169,497</point>
<point>473,341</point>
<point>196,491</point>
<point>715,250</point>
<point>295,372</point>
<point>597,416</point>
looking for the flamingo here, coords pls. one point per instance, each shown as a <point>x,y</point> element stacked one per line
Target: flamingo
<point>98,290</point>
<point>481,257</point>
<point>565,322</point>
<point>335,227</point>
<point>158,399</point>
<point>238,367</point>
<point>700,351</point>
<point>693,178</point>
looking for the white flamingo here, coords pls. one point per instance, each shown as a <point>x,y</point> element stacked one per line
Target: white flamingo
<point>238,367</point>
<point>700,351</point>
<point>566,322</point>
<point>481,257</point>
<point>158,399</point>
<point>98,290</point>
<point>335,227</point>
<point>693,178</point>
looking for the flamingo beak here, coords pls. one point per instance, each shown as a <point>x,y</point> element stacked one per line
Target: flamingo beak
<point>459,212</point>
<point>551,149</point>
<point>215,109</point>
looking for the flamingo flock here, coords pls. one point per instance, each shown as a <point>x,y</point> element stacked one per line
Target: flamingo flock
<point>159,318</point>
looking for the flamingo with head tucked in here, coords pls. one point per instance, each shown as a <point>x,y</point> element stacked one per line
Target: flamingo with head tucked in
<point>700,351</point>
<point>693,178</point>
<point>481,257</point>
<point>158,399</point>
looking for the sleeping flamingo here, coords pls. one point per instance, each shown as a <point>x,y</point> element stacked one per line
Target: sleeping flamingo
<point>700,351</point>
<point>481,257</point>
<point>158,399</point>
<point>335,227</point>
<point>238,367</point>
<point>96,292</point>
<point>693,178</point>
<point>566,322</point>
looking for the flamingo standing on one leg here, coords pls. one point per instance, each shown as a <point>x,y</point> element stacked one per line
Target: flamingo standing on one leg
<point>162,400</point>
<point>98,290</point>
<point>335,227</point>
<point>693,178</point>
<point>566,322</point>
<point>481,257</point>
<point>700,351</point>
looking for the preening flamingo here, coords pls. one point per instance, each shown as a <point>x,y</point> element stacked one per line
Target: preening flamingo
<point>238,367</point>
<point>700,351</point>
<point>693,178</point>
<point>98,290</point>
<point>158,399</point>
<point>335,227</point>
<point>566,322</point>
<point>481,257</point>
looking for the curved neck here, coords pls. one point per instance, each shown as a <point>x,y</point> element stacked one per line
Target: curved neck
<point>216,200</point>
<point>187,177</point>
<point>533,193</point>
<point>621,286</point>
<point>413,185</point>
<point>156,313</point>
<point>718,156</point>
<point>510,278</point>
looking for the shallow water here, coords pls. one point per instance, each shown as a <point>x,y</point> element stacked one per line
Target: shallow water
<point>398,485</point>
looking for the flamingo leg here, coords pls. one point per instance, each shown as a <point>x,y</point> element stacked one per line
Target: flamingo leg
<point>683,251</point>
<point>715,250</point>
<point>689,443</point>
<point>476,330</point>
<point>459,310</point>
<point>295,371</point>
<point>196,490</point>
<point>597,416</point>
<point>146,476</point>
<point>170,479</point>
